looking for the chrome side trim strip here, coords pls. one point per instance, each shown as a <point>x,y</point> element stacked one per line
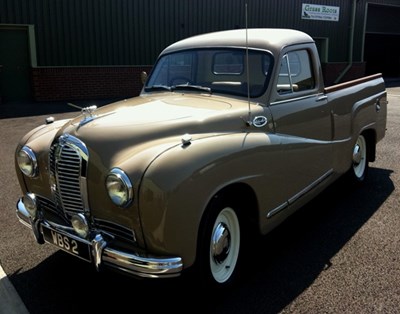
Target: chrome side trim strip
<point>310,187</point>
<point>277,209</point>
<point>300,194</point>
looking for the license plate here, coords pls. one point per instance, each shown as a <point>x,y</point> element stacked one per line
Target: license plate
<point>67,243</point>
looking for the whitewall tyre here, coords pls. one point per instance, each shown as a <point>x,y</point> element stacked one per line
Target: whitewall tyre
<point>224,245</point>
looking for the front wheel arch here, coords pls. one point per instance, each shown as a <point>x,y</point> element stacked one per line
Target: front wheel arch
<point>228,224</point>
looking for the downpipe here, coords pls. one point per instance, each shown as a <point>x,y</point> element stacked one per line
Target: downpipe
<point>351,43</point>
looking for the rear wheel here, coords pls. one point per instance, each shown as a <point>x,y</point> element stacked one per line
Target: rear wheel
<point>359,169</point>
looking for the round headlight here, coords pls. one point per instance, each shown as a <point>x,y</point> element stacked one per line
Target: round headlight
<point>119,187</point>
<point>27,161</point>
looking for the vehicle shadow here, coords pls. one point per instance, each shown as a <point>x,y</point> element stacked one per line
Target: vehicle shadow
<point>282,266</point>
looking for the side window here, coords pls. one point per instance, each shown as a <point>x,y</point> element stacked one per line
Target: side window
<point>296,73</point>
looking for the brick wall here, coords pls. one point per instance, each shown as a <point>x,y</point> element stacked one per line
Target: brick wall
<point>73,83</point>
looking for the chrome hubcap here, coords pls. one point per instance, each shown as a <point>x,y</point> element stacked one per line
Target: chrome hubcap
<point>357,156</point>
<point>360,157</point>
<point>221,242</point>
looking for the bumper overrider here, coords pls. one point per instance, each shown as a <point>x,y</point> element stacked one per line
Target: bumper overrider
<point>98,250</point>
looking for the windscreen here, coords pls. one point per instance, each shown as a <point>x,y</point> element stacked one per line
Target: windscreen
<point>214,70</point>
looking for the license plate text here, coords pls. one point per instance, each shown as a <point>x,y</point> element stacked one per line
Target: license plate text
<point>64,242</point>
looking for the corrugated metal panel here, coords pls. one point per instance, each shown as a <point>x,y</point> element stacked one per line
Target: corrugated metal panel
<point>383,19</point>
<point>123,32</point>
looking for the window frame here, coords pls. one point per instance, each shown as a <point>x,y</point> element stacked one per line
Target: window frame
<point>289,88</point>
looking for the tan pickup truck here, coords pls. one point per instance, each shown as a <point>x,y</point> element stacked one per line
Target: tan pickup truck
<point>232,133</point>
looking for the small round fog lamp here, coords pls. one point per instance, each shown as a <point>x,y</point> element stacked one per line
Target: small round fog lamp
<point>80,225</point>
<point>30,204</point>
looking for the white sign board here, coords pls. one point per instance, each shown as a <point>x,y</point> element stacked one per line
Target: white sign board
<point>320,12</point>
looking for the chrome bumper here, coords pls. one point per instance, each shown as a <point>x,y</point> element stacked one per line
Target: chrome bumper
<point>135,264</point>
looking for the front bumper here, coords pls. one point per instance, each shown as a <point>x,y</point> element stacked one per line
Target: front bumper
<point>102,254</point>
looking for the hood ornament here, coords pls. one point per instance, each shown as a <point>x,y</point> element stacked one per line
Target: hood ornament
<point>88,115</point>
<point>88,111</point>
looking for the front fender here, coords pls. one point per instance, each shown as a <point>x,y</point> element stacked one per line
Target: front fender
<point>39,140</point>
<point>179,184</point>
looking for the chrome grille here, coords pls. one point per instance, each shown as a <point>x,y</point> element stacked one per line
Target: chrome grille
<point>68,159</point>
<point>68,175</point>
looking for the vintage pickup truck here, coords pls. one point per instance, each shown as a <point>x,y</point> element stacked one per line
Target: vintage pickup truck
<point>232,132</point>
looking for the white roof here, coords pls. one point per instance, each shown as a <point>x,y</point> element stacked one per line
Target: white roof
<point>273,39</point>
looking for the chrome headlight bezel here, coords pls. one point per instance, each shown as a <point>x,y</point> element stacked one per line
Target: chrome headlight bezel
<point>119,187</point>
<point>27,162</point>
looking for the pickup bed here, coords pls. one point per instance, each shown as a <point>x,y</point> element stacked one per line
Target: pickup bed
<point>232,132</point>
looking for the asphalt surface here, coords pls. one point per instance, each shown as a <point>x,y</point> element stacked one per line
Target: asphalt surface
<point>338,254</point>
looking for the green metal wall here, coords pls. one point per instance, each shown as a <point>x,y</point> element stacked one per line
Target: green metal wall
<point>133,32</point>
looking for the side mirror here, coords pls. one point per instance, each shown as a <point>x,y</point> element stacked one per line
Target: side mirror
<point>143,77</point>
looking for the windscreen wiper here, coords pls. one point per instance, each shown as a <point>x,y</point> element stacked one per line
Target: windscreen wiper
<point>189,86</point>
<point>157,87</point>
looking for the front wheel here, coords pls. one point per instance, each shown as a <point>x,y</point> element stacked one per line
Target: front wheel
<point>224,245</point>
<point>219,246</point>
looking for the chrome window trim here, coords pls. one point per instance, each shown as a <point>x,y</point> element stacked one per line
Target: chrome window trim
<point>278,102</point>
